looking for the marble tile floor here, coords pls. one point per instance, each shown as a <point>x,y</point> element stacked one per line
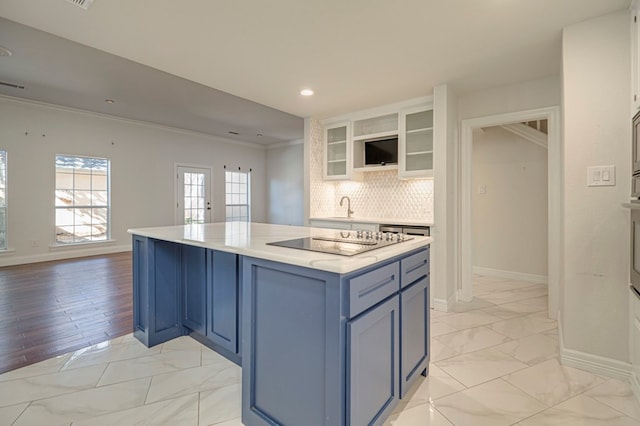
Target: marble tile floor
<point>494,361</point>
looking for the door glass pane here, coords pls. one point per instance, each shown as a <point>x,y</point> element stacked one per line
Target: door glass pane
<point>336,135</point>
<point>194,197</point>
<point>419,120</point>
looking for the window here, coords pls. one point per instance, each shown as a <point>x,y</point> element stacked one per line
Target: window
<point>237,196</point>
<point>82,199</point>
<point>3,200</point>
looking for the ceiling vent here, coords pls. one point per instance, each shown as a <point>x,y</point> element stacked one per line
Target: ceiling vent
<point>85,4</point>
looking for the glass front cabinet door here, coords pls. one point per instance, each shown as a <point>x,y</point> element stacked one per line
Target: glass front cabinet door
<point>336,151</point>
<point>415,143</point>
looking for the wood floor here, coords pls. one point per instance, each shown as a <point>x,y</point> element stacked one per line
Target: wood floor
<point>51,308</point>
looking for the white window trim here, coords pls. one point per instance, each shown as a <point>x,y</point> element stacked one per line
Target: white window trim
<point>56,244</point>
<point>6,203</point>
<point>248,203</point>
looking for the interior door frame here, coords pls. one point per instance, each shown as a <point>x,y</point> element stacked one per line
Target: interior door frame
<point>554,197</point>
<point>176,166</point>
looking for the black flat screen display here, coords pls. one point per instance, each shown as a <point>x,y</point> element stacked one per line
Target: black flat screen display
<point>381,152</point>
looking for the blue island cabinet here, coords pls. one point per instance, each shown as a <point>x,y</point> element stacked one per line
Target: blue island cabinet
<point>323,348</point>
<point>182,289</point>
<point>156,290</point>
<point>223,302</point>
<point>194,274</point>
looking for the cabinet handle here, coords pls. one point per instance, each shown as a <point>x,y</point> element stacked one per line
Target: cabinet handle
<point>376,286</point>
<point>416,266</point>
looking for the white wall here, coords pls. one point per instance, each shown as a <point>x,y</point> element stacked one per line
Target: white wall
<point>379,194</point>
<point>511,98</point>
<point>285,170</point>
<point>596,93</point>
<point>142,180</point>
<point>509,221</point>
<point>444,249</point>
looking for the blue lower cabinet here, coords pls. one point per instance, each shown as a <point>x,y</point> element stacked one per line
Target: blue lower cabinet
<point>316,348</point>
<point>414,338</point>
<point>373,364</point>
<point>293,345</point>
<point>156,285</point>
<point>222,303</point>
<point>194,274</point>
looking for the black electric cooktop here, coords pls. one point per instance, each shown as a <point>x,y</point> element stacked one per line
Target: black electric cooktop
<point>344,243</point>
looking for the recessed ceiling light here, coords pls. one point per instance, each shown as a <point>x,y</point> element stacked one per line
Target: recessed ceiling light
<point>5,52</point>
<point>306,92</point>
<point>109,101</point>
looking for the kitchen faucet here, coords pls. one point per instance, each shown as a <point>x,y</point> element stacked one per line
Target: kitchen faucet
<point>349,211</point>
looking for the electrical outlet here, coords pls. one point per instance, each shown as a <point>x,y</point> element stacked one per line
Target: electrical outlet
<point>34,243</point>
<point>482,189</point>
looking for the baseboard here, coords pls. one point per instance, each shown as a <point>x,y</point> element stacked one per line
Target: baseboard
<point>63,254</point>
<point>635,386</point>
<point>444,305</point>
<point>512,275</point>
<point>440,305</point>
<point>596,364</point>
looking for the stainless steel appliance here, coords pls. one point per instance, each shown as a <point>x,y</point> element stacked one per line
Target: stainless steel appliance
<point>634,274</point>
<point>635,164</point>
<point>344,243</point>
<point>405,229</point>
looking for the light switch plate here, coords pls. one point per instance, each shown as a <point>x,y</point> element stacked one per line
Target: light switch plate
<point>601,176</point>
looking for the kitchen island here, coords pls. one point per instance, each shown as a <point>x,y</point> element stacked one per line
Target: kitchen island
<point>323,339</point>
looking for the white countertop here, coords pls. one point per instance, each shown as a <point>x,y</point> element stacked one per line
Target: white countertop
<point>250,239</point>
<point>379,220</point>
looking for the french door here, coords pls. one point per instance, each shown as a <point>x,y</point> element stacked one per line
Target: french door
<point>193,195</point>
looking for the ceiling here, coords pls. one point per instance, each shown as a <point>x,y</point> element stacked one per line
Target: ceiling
<point>196,64</point>
<point>59,71</point>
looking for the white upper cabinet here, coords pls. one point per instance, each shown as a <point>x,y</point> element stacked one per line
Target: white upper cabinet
<point>368,135</point>
<point>392,137</point>
<point>337,145</point>
<point>415,143</point>
<point>375,127</point>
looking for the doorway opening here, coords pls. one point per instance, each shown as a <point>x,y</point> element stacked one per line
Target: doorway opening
<point>192,194</point>
<point>552,117</point>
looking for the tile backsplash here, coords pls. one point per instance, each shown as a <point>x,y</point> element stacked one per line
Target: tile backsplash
<point>380,194</point>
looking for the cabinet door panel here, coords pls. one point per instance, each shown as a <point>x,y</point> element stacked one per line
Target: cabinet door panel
<point>373,347</point>
<point>414,339</point>
<point>140,289</point>
<point>415,143</point>
<point>223,299</point>
<point>337,146</point>
<point>166,277</point>
<point>193,288</point>
<point>156,290</point>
